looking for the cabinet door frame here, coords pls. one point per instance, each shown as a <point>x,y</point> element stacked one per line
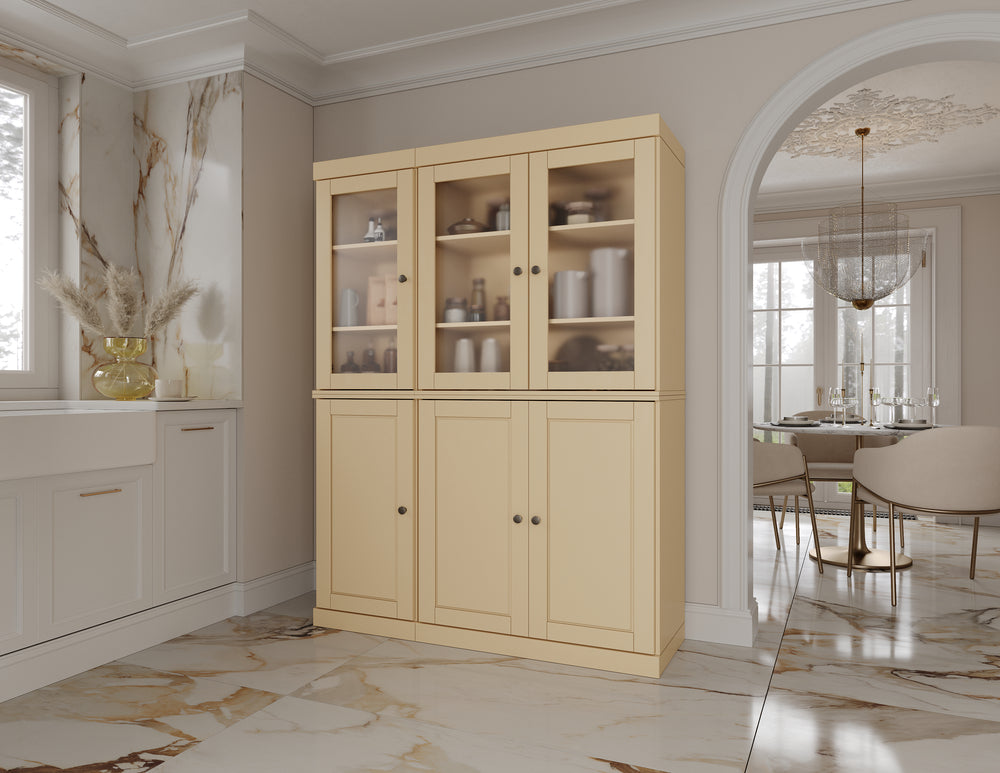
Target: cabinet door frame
<point>639,635</point>
<point>516,167</point>
<point>403,605</point>
<point>516,414</point>
<point>17,567</point>
<point>135,484</point>
<point>179,425</point>
<point>327,375</point>
<point>647,201</point>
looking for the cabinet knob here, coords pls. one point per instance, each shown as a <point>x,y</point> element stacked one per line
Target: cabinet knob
<point>517,271</point>
<point>401,510</point>
<point>402,278</point>
<point>536,269</point>
<point>536,520</point>
<point>518,519</point>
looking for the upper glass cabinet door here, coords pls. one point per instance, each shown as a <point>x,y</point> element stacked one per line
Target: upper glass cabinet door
<point>364,273</point>
<point>473,305</point>
<point>593,298</point>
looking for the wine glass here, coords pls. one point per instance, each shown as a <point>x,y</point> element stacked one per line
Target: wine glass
<point>933,400</point>
<point>848,403</point>
<point>836,400</point>
<point>876,396</point>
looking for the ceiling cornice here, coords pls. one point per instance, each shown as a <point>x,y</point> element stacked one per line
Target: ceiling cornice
<point>909,190</point>
<point>218,43</point>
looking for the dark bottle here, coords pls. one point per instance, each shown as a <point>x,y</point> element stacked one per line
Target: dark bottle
<point>368,364</point>
<point>350,366</point>
<point>389,359</point>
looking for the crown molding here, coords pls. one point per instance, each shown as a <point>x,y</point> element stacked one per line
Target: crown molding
<point>273,54</point>
<point>910,190</point>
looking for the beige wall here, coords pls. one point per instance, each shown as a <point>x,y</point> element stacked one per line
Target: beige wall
<point>707,91</point>
<point>276,447</point>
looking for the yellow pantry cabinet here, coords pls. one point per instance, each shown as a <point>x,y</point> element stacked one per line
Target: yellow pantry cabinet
<point>515,484</point>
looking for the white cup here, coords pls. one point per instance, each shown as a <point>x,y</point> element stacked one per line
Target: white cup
<point>489,357</point>
<point>348,312</point>
<point>169,387</point>
<point>465,356</point>
<point>570,295</point>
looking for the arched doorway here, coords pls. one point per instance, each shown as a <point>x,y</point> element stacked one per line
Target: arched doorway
<point>933,38</point>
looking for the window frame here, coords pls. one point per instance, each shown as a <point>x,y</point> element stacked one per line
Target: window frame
<point>40,379</point>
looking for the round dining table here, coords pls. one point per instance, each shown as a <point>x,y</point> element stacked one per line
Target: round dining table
<point>865,558</point>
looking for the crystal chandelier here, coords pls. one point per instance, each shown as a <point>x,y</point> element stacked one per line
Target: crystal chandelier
<point>863,253</point>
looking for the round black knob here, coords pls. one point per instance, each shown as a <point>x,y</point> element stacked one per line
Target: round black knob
<point>402,278</point>
<point>401,510</point>
<point>517,271</point>
<point>518,519</point>
<point>536,520</point>
<point>536,269</point>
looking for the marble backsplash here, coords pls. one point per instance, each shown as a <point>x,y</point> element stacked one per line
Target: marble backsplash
<point>154,180</point>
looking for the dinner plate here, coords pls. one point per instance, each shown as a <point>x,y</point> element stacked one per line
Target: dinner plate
<point>829,420</point>
<point>908,425</point>
<point>796,423</point>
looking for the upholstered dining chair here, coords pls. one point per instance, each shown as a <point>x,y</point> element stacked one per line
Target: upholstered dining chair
<point>945,471</point>
<point>780,469</point>
<point>831,460</point>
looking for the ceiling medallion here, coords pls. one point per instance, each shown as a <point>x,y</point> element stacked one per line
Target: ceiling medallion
<point>896,122</point>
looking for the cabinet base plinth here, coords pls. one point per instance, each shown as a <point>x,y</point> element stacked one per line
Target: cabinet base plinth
<point>635,663</point>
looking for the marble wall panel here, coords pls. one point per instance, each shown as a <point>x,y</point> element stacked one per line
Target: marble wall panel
<point>187,210</point>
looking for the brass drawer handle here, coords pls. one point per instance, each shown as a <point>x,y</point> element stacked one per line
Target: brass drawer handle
<point>195,429</point>
<point>98,493</point>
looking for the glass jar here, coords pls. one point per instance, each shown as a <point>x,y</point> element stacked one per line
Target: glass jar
<point>477,307</point>
<point>456,310</point>
<point>579,212</point>
<point>389,358</point>
<point>503,217</point>
<point>501,310</point>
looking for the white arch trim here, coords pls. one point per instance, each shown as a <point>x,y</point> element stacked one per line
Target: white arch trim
<point>953,36</point>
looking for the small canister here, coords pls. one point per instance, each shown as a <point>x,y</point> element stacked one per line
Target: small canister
<point>579,212</point>
<point>456,310</point>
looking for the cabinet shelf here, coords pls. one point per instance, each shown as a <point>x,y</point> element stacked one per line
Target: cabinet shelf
<point>483,243</point>
<point>612,233</point>
<point>367,250</point>
<point>591,321</point>
<point>365,328</point>
<point>488,325</point>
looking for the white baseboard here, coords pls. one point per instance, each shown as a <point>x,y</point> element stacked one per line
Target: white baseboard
<point>42,664</point>
<point>703,622</point>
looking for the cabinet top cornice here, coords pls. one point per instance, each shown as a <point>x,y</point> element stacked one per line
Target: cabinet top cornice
<point>509,144</point>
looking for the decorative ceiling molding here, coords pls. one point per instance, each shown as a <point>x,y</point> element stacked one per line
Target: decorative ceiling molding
<point>212,45</point>
<point>896,122</point>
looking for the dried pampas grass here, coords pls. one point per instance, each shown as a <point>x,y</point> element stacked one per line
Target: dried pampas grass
<point>74,301</point>
<point>123,302</point>
<point>168,305</point>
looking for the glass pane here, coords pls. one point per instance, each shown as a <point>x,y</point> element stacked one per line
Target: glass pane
<point>12,258</point>
<point>765,337</point>
<point>765,285</point>
<point>797,337</point>
<point>892,334</point>
<point>797,390</point>
<point>901,295</point>
<point>796,285</point>
<point>853,335</point>
<point>765,394</point>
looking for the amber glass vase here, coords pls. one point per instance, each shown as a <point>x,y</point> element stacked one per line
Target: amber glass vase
<point>125,378</point>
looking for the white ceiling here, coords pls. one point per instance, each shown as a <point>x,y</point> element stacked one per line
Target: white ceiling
<point>325,51</point>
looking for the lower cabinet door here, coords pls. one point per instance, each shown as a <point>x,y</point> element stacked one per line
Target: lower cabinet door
<point>94,548</point>
<point>17,565</point>
<point>474,523</point>
<point>592,549</point>
<point>195,510</point>
<point>365,508</point>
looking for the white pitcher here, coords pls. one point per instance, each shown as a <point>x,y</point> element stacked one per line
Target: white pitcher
<point>611,283</point>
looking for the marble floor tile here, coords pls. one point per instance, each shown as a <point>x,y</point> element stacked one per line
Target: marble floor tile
<point>808,732</point>
<point>648,723</point>
<point>265,651</point>
<point>118,717</point>
<point>302,735</point>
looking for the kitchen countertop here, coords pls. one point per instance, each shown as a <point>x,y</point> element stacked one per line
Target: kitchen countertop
<point>48,407</point>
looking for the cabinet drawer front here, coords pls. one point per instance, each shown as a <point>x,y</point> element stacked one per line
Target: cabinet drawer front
<point>94,548</point>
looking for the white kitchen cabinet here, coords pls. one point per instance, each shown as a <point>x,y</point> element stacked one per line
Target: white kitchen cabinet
<point>94,547</point>
<point>18,624</point>
<point>194,528</point>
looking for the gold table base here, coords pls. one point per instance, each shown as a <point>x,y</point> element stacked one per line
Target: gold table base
<point>867,561</point>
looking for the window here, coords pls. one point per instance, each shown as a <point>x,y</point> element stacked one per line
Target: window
<point>27,234</point>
